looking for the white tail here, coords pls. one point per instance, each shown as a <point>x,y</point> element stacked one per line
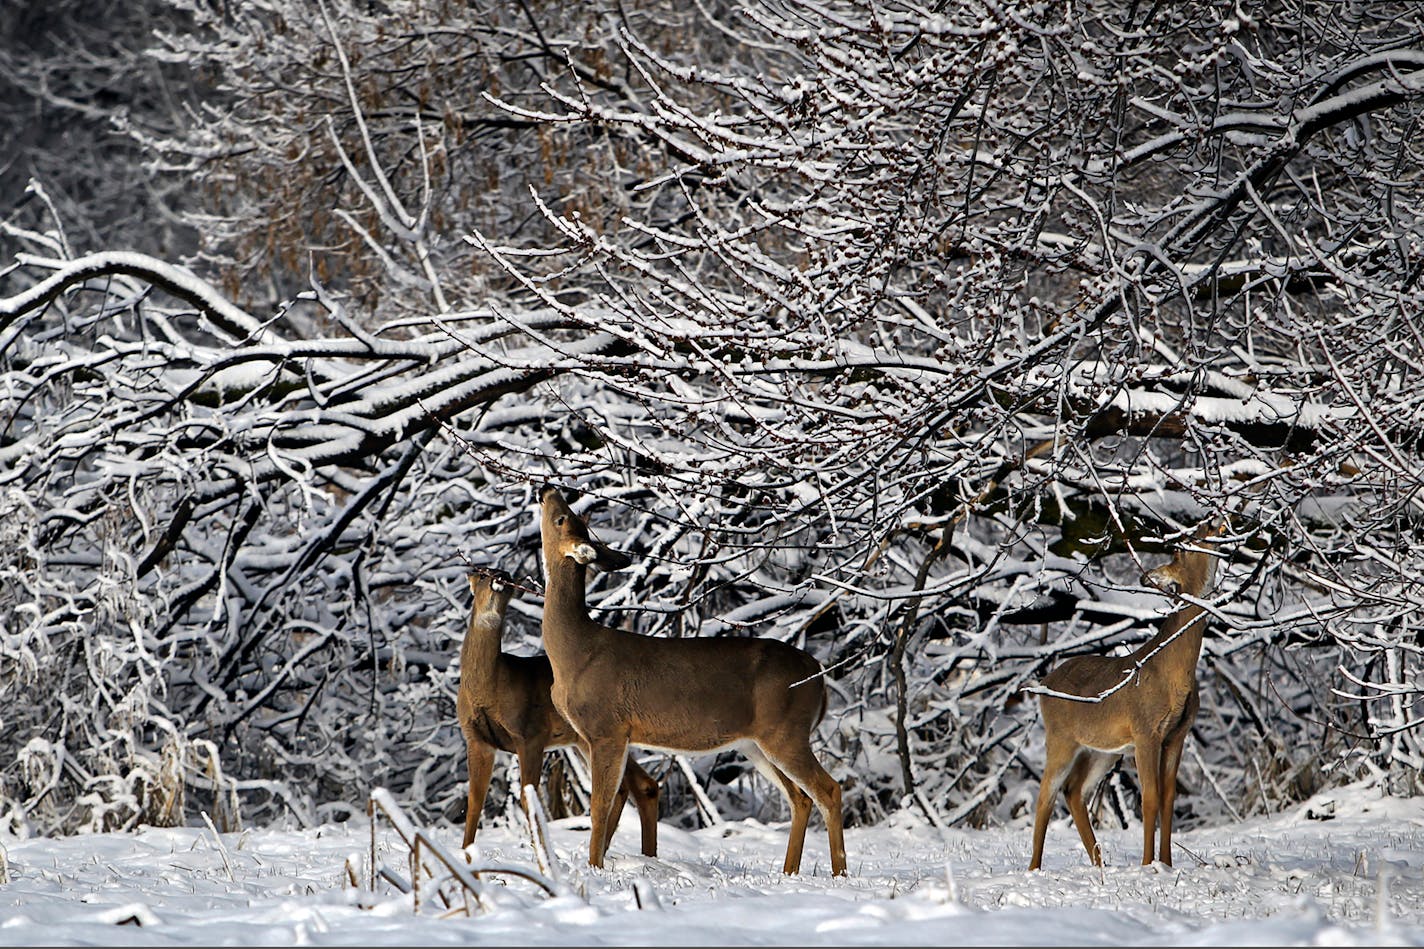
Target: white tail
<point>616,688</point>
<point>1145,702</point>
<point>504,704</point>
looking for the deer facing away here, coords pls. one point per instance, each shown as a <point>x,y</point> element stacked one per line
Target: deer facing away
<point>1150,715</point>
<point>503,704</point>
<point>759,696</point>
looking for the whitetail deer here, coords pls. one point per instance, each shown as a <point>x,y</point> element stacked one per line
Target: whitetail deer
<point>504,704</point>
<point>759,696</point>
<point>1148,703</point>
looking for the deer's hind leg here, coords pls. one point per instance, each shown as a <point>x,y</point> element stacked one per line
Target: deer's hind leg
<point>794,758</point>
<point>643,788</point>
<point>1058,760</point>
<point>799,801</point>
<point>1083,778</point>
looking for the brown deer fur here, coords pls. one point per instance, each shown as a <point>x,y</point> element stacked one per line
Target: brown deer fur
<point>617,688</point>
<point>504,704</point>
<point>1150,715</point>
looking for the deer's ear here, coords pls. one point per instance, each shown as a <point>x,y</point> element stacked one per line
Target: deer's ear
<point>606,558</point>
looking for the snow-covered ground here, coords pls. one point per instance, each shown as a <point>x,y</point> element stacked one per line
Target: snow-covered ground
<point>1354,879</point>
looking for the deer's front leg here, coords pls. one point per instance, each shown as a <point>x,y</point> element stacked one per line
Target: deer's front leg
<point>1171,759</point>
<point>480,765</point>
<point>1149,772</point>
<point>607,759</point>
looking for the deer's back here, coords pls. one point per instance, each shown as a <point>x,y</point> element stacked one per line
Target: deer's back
<point>1147,704</point>
<point>692,694</point>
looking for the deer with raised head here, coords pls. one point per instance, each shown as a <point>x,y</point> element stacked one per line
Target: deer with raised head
<point>760,696</point>
<point>504,705</point>
<point>1145,703</point>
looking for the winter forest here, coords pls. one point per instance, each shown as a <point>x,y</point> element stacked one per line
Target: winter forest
<point>911,334</point>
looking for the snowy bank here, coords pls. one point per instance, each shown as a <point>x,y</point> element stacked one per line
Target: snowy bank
<point>1353,879</point>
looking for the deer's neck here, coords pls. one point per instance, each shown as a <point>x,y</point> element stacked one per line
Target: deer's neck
<point>480,652</point>
<point>1176,648</point>
<point>565,610</point>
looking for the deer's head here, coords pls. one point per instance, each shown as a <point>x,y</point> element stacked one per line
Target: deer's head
<point>565,534</point>
<point>492,590</point>
<point>1192,569</point>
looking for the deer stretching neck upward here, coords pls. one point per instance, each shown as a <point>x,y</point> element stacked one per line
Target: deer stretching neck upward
<point>1147,704</point>
<point>616,688</point>
<point>479,653</point>
<point>504,705</point>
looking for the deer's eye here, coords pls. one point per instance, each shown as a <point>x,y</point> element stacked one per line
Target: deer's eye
<point>559,521</point>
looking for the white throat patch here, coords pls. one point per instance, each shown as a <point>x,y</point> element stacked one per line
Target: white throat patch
<point>583,553</point>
